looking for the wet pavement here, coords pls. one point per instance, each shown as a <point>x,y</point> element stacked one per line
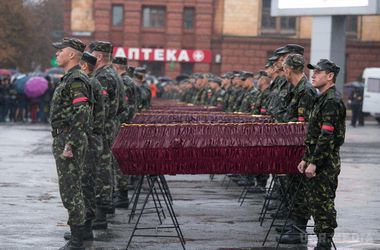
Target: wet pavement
<point>32,216</point>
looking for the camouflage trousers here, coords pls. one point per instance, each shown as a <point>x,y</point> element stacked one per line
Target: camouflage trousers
<point>121,180</point>
<point>320,192</point>
<point>92,160</point>
<point>301,205</point>
<point>104,170</point>
<point>70,172</point>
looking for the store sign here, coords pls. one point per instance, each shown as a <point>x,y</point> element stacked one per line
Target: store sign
<point>164,55</point>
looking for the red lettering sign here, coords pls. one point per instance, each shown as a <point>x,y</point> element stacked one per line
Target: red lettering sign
<point>163,55</point>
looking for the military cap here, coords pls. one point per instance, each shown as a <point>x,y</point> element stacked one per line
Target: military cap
<point>217,80</point>
<point>236,73</point>
<point>228,75</point>
<point>139,71</point>
<point>101,46</point>
<point>275,55</point>
<point>325,65</point>
<point>292,48</point>
<point>197,76</point>
<point>247,74</point>
<point>269,63</point>
<point>70,42</point>
<point>181,78</point>
<point>262,73</point>
<point>295,61</point>
<point>120,60</point>
<point>88,58</point>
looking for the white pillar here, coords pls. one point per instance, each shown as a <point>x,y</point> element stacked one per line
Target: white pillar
<point>328,41</point>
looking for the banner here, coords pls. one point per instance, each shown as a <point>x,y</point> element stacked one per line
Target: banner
<point>164,55</point>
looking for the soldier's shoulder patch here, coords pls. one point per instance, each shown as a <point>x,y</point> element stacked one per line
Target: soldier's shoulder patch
<point>76,84</point>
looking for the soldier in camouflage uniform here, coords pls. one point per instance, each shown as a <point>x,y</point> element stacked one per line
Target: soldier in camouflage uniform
<point>216,98</point>
<point>143,93</point>
<point>201,86</point>
<point>188,90</point>
<point>260,105</point>
<point>321,161</point>
<point>301,104</point>
<point>236,90</point>
<point>70,116</point>
<point>228,88</point>
<point>250,94</point>
<point>121,64</point>
<point>111,88</point>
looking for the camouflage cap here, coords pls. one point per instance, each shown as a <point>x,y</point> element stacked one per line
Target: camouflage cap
<point>139,71</point>
<point>120,60</point>
<point>88,58</point>
<point>70,42</point>
<point>292,48</point>
<point>101,46</point>
<point>325,65</point>
<point>216,79</point>
<point>228,75</point>
<point>247,74</point>
<point>275,55</point>
<point>295,61</point>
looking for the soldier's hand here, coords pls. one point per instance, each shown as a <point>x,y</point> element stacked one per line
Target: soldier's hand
<point>301,167</point>
<point>67,151</point>
<point>310,171</point>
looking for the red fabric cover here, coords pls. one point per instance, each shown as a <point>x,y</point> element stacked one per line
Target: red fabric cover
<point>245,148</point>
<point>152,118</point>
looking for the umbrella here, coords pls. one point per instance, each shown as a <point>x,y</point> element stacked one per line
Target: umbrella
<point>20,82</point>
<point>36,86</point>
<point>5,72</point>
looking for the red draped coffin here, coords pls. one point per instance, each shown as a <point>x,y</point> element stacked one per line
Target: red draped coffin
<point>207,148</point>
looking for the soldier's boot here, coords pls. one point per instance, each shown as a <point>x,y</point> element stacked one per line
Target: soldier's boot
<point>122,200</point>
<point>87,233</point>
<point>295,236</point>
<point>100,221</point>
<point>76,239</point>
<point>324,242</point>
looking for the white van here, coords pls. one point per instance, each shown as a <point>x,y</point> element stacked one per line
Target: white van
<point>371,100</point>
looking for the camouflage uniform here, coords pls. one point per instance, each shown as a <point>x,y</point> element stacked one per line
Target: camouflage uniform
<point>216,97</point>
<point>235,92</point>
<point>111,88</point>
<point>301,104</point>
<point>70,117</point>
<point>279,98</point>
<point>129,89</point>
<point>325,135</point>
<point>260,106</point>
<point>249,98</point>
<point>95,149</point>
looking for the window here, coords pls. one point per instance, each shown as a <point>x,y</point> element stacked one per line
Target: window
<point>117,15</point>
<point>373,85</point>
<point>187,68</point>
<point>188,17</point>
<point>351,26</point>
<point>276,25</point>
<point>153,17</point>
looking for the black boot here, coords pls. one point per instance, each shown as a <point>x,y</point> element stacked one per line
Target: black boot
<point>87,232</point>
<point>324,242</point>
<point>293,221</point>
<point>122,200</point>
<point>100,221</point>
<point>295,236</point>
<point>76,239</point>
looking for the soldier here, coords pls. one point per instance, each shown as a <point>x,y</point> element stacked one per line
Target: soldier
<point>303,94</point>
<point>260,105</point>
<point>237,83</point>
<point>143,93</point>
<point>321,161</point>
<point>299,109</point>
<point>217,93</point>
<point>250,94</point>
<point>121,65</point>
<point>70,117</point>
<point>228,88</point>
<point>111,87</point>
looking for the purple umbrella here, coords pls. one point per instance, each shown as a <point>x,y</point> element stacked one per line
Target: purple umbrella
<point>36,86</point>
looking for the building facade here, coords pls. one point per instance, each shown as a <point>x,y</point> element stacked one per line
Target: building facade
<point>177,36</point>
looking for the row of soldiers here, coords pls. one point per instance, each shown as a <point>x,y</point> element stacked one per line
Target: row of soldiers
<point>94,97</point>
<point>283,91</point>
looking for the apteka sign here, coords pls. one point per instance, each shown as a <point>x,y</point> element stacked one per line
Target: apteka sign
<point>163,55</point>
